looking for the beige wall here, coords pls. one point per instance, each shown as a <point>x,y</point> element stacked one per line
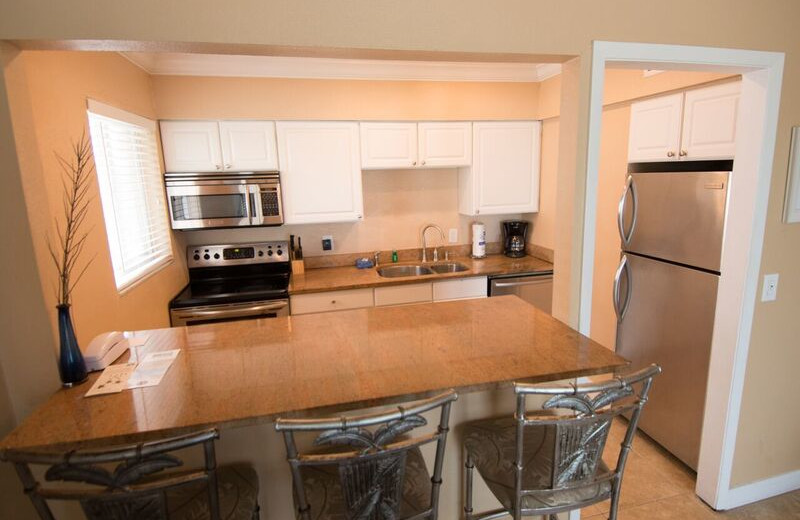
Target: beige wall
<point>47,93</point>
<point>567,27</point>
<point>397,203</point>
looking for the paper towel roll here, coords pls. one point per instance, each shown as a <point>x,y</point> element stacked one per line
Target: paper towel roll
<point>478,240</point>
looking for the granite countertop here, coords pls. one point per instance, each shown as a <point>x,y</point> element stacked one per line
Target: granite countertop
<point>250,372</point>
<point>335,278</point>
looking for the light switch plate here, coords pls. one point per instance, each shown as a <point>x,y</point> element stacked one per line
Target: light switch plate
<point>453,235</point>
<point>769,292</point>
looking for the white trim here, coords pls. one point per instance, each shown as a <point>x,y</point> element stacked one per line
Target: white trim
<point>227,65</point>
<point>763,489</point>
<point>761,86</point>
<point>791,204</point>
<point>101,109</point>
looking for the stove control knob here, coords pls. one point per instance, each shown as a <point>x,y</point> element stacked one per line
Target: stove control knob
<point>196,257</point>
<point>261,253</point>
<point>269,252</point>
<point>280,252</point>
<point>206,256</point>
<point>216,256</point>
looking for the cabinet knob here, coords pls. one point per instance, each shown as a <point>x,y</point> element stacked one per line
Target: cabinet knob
<point>333,302</point>
<point>414,163</point>
<point>683,153</point>
<point>218,166</point>
<point>670,154</point>
<point>477,211</point>
<point>227,166</point>
<point>423,163</point>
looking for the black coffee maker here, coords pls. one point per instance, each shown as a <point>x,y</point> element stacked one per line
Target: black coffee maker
<point>515,234</point>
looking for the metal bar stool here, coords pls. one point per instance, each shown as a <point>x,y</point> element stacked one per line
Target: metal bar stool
<point>354,472</point>
<point>128,482</point>
<point>550,460</point>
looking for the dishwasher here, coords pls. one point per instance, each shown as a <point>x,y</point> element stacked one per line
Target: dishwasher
<point>535,288</point>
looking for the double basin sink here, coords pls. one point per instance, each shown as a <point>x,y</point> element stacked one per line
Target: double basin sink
<point>398,271</point>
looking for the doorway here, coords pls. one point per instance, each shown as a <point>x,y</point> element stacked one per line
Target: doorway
<point>742,246</point>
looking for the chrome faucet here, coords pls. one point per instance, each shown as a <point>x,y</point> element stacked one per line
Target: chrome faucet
<point>377,257</point>
<point>425,245</point>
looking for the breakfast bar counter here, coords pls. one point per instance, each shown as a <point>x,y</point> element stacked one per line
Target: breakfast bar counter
<point>249,372</point>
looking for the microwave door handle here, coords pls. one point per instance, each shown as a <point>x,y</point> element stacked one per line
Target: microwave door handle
<point>254,196</point>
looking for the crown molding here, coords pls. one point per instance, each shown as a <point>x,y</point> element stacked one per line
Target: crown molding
<point>185,64</point>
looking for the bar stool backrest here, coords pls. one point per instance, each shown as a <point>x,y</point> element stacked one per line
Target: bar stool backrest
<point>133,489</point>
<point>370,463</point>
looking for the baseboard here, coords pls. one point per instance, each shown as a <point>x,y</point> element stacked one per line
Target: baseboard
<point>760,490</point>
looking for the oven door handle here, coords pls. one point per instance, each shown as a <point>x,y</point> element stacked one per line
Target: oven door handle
<point>244,311</point>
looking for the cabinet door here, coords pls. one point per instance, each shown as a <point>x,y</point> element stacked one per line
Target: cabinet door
<point>330,301</point>
<point>655,129</point>
<point>709,122</point>
<point>388,145</point>
<point>460,289</point>
<point>505,167</point>
<point>445,144</point>
<point>320,171</point>
<point>248,145</point>
<point>191,146</point>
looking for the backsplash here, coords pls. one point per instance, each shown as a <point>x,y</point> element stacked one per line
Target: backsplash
<point>397,205</point>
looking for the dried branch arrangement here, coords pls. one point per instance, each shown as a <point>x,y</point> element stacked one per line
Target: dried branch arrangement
<point>77,174</point>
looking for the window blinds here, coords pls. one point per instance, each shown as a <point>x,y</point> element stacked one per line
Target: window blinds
<point>132,193</point>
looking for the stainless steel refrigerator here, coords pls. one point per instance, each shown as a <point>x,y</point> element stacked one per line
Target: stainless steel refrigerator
<point>671,222</point>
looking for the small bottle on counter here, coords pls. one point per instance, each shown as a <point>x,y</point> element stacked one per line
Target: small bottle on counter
<point>394,255</point>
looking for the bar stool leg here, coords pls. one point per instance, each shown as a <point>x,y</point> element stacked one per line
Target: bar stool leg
<point>468,506</point>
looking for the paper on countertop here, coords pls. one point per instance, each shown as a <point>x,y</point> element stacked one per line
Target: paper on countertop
<point>114,379</point>
<point>152,368</point>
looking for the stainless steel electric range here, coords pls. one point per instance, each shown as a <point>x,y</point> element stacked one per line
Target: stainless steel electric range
<point>233,282</point>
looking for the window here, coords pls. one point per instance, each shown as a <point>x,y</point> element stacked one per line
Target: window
<point>131,189</point>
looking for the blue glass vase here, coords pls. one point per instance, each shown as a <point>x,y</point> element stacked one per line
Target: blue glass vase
<point>71,366</point>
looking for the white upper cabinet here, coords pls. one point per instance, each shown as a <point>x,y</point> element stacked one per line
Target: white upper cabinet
<point>445,144</point>
<point>709,122</point>
<point>191,146</point>
<point>697,125</point>
<point>504,176</point>
<point>387,145</point>
<point>655,129</point>
<point>248,145</point>
<point>219,146</point>
<point>320,171</point>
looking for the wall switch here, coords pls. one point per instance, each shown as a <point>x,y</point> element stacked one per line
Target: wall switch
<point>770,290</point>
<point>453,235</point>
<point>327,243</point>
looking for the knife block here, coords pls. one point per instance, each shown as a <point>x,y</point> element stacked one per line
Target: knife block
<point>298,267</point>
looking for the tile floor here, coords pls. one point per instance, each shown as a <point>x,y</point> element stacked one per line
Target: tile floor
<point>658,486</point>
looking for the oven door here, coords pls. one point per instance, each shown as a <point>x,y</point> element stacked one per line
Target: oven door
<point>208,206</point>
<point>228,312</point>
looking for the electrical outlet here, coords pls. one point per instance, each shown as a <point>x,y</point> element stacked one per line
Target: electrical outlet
<point>770,291</point>
<point>453,235</point>
<point>327,242</point>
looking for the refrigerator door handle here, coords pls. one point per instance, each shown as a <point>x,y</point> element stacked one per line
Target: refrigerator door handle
<point>629,187</point>
<point>619,310</point>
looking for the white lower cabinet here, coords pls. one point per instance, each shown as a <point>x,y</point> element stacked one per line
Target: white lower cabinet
<point>403,294</point>
<point>460,289</point>
<point>453,289</point>
<point>331,301</point>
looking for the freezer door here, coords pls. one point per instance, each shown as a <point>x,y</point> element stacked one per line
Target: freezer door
<point>668,319</point>
<point>677,216</point>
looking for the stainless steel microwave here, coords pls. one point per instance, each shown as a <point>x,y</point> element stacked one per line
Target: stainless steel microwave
<point>214,200</point>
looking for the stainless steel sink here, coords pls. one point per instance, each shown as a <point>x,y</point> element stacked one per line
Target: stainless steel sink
<point>397,271</point>
<point>448,267</point>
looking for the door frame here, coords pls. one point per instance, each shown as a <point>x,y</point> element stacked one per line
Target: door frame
<point>762,74</point>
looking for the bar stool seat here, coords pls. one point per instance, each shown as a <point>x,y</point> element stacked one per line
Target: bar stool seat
<point>323,487</point>
<point>492,445</point>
